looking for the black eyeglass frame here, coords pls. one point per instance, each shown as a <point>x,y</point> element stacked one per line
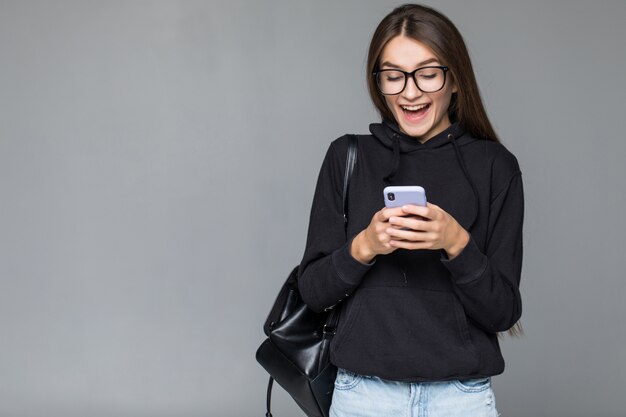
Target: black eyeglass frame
<point>412,75</point>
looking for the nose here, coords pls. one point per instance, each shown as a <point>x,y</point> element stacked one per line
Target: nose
<point>410,89</point>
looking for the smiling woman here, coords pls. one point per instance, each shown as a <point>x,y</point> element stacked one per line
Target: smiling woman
<point>410,41</point>
<point>423,291</point>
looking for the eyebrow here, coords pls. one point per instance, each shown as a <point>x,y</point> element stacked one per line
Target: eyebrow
<point>389,64</point>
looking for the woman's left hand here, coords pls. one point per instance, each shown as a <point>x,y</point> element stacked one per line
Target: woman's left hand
<point>433,228</point>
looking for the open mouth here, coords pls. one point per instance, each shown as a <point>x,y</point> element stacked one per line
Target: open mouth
<point>418,109</point>
<point>416,112</point>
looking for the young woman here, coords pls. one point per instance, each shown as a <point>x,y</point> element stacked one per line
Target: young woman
<point>423,291</point>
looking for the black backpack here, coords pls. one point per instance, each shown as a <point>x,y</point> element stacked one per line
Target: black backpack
<point>297,351</point>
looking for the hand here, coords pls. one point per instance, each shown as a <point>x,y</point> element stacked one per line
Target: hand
<point>374,240</point>
<point>432,228</point>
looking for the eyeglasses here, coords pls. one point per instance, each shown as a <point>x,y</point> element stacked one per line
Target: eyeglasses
<point>427,79</point>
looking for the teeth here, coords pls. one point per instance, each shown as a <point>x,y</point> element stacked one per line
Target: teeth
<point>414,108</point>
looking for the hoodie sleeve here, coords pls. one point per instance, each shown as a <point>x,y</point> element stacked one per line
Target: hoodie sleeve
<point>487,284</point>
<point>328,273</point>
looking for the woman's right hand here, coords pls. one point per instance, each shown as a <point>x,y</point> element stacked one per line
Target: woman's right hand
<point>374,240</point>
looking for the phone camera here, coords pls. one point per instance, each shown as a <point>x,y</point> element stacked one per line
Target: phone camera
<point>391,196</point>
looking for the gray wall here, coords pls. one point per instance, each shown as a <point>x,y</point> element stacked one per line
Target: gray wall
<point>157,164</point>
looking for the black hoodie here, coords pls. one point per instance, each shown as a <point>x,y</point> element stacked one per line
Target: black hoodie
<point>417,315</point>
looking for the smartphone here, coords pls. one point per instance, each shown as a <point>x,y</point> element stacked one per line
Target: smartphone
<point>397,196</point>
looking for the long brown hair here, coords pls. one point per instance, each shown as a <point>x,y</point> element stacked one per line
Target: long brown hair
<point>436,31</point>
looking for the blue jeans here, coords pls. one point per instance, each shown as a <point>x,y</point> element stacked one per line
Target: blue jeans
<point>365,396</point>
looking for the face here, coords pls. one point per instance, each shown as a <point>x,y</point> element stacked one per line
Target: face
<point>421,115</point>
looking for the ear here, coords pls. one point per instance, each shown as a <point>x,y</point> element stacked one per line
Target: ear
<point>452,80</point>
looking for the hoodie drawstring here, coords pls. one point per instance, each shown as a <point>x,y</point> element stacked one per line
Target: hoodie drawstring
<point>461,162</point>
<point>396,158</point>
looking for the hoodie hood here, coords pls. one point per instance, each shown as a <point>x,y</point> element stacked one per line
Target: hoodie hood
<point>390,135</point>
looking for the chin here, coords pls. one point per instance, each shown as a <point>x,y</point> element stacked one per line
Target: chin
<point>418,131</point>
<point>415,132</point>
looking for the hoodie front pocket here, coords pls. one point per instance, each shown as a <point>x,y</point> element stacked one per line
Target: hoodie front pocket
<point>409,330</point>
<point>461,319</point>
<point>346,319</point>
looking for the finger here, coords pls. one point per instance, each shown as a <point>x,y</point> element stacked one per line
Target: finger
<point>437,211</point>
<point>405,244</point>
<point>380,215</point>
<point>426,212</point>
<point>386,213</point>
<point>413,223</point>
<point>410,235</point>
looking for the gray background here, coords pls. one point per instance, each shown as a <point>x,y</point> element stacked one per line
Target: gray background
<point>157,164</point>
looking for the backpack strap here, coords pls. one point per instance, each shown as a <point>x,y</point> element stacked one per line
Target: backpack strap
<point>333,318</point>
<point>350,162</point>
<point>330,328</point>
<point>269,397</point>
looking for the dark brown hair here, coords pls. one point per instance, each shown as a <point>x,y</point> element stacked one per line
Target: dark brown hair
<point>436,31</point>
